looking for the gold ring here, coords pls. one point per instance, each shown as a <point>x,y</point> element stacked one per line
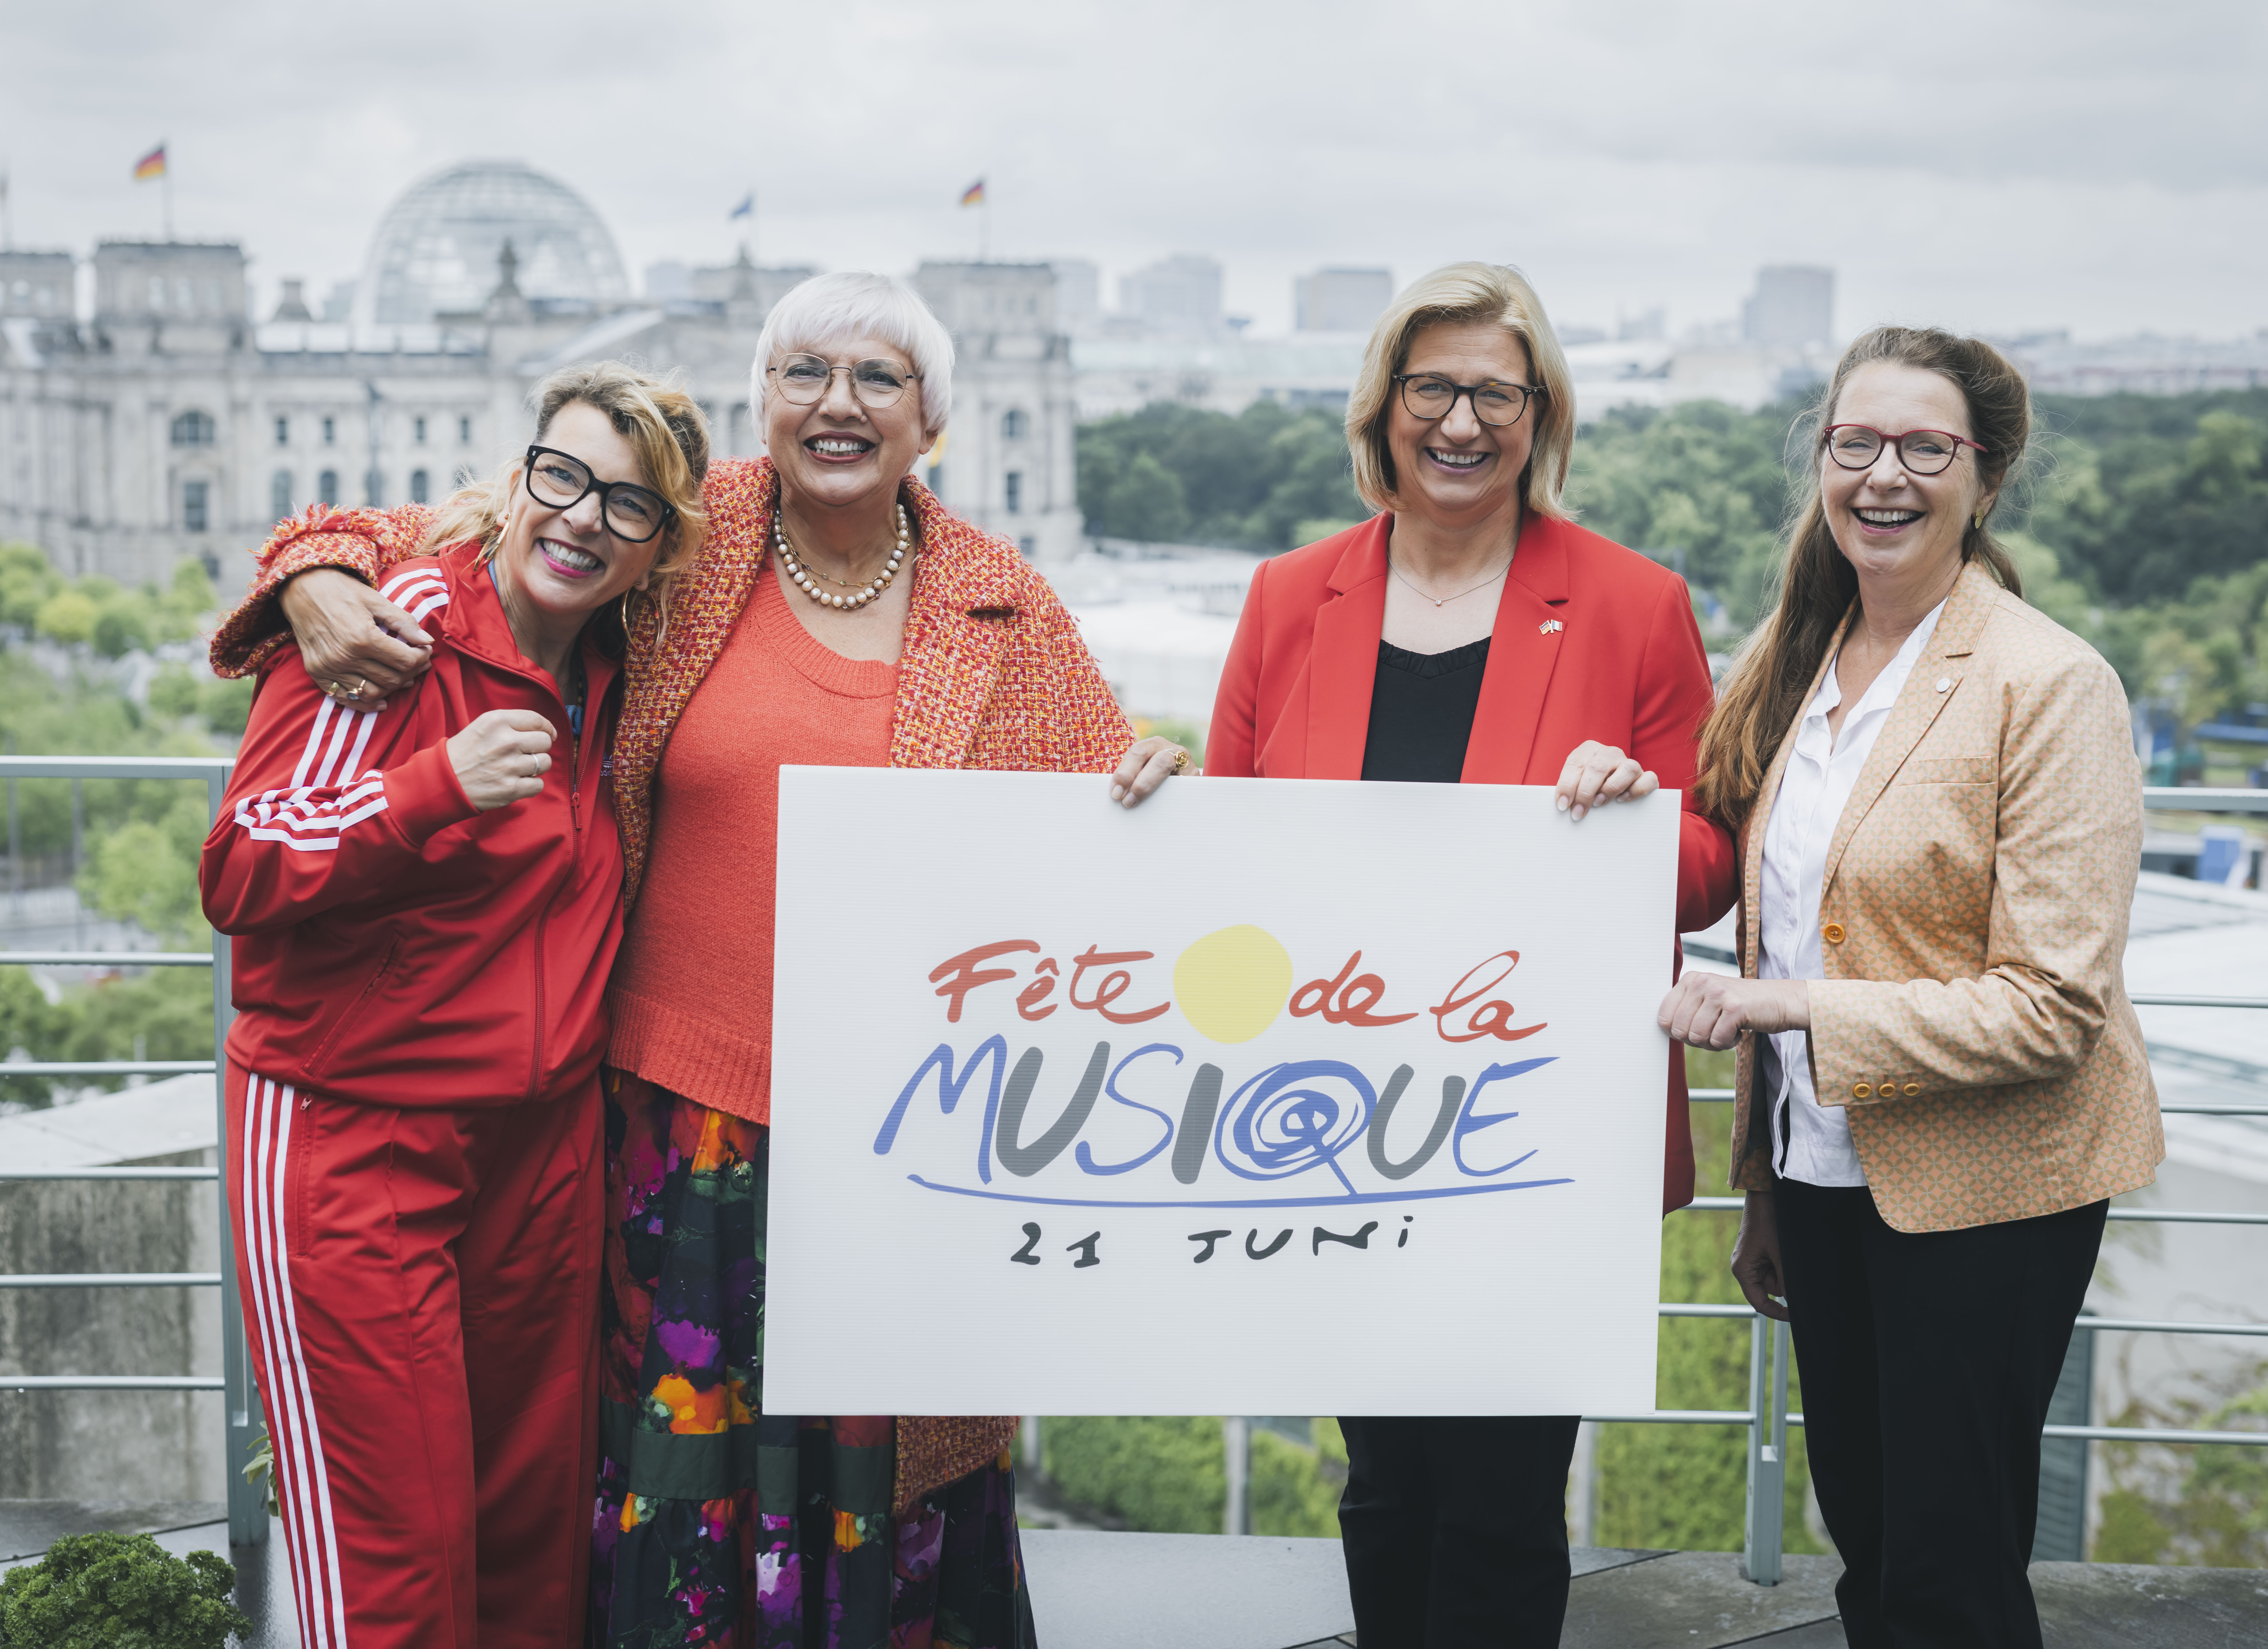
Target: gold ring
<point>1181,760</point>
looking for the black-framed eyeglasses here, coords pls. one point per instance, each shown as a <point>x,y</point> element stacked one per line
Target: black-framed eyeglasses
<point>1429,396</point>
<point>1923,452</point>
<point>558,481</point>
<point>804,379</point>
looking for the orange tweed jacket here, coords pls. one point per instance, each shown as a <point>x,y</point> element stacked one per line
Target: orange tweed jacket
<point>993,675</point>
<point>1974,1022</point>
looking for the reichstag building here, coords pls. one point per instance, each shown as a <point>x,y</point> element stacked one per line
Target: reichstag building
<point>172,422</point>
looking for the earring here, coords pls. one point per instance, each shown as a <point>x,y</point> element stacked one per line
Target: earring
<point>1980,521</point>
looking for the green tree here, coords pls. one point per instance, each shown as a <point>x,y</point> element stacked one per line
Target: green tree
<point>1247,482</point>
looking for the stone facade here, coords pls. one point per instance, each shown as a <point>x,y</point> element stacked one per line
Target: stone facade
<point>168,425</point>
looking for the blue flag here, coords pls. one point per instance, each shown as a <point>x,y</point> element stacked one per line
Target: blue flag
<point>746,208</point>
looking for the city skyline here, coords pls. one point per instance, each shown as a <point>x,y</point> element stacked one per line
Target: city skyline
<point>2037,168</point>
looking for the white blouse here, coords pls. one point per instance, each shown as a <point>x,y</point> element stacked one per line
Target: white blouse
<point>1811,1142</point>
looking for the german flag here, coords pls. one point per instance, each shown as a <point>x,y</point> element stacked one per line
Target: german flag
<point>973,196</point>
<point>151,164</point>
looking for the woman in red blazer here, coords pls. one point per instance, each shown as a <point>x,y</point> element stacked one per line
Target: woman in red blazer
<point>1472,633</point>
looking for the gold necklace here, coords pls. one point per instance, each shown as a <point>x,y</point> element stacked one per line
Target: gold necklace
<point>1443,600</point>
<point>861,594</point>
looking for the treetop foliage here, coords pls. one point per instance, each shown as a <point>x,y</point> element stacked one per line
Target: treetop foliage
<point>108,1591</point>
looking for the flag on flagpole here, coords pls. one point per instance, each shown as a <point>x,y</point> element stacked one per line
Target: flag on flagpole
<point>746,208</point>
<point>151,164</point>
<point>973,196</point>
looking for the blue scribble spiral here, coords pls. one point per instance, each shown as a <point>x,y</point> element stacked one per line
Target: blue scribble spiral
<point>1280,1125</point>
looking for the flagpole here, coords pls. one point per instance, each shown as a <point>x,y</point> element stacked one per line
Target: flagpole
<point>165,147</point>
<point>984,227</point>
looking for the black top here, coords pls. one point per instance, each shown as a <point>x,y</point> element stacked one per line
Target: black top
<point>1421,712</point>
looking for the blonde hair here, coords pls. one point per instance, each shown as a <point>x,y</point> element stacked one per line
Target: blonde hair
<point>1772,674</point>
<point>663,426</point>
<point>1454,293</point>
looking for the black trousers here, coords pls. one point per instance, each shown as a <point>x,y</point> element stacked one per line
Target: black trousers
<point>1456,1531</point>
<point>1928,1358</point>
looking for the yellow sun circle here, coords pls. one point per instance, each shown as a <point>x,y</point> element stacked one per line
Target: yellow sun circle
<point>1232,984</point>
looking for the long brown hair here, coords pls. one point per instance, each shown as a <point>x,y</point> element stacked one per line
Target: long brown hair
<point>1764,690</point>
<point>663,426</point>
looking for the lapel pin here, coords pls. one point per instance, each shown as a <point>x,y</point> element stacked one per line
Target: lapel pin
<point>1549,627</point>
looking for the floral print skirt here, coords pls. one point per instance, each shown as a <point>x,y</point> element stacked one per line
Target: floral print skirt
<point>718,1524</point>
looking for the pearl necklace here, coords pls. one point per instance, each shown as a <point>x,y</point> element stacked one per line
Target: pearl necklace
<point>864,592</point>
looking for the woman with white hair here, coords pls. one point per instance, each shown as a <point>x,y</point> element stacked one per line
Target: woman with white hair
<point>837,615</point>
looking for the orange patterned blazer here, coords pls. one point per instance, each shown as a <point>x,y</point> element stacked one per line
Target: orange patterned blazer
<point>1974,1021</point>
<point>993,675</point>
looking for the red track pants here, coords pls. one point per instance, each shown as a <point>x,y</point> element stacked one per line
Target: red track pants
<point>420,1289</point>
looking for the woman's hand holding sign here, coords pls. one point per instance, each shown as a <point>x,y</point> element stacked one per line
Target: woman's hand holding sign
<point>1596,774</point>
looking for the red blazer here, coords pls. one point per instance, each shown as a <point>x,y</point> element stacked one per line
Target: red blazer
<point>1624,666</point>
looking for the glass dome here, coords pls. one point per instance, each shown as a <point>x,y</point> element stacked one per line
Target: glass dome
<point>435,252</point>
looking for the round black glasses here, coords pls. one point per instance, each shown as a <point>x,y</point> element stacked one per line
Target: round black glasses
<point>558,481</point>
<point>1429,396</point>
<point>1923,451</point>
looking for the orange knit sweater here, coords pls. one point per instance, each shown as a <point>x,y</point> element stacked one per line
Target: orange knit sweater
<point>692,994</point>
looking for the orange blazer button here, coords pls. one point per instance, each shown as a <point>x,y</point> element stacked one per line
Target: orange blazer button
<point>1832,932</point>
<point>1860,1091</point>
<point>1912,1088</point>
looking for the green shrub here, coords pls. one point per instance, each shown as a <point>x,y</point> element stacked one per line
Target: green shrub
<point>119,1591</point>
<point>1162,1474</point>
<point>1295,1490</point>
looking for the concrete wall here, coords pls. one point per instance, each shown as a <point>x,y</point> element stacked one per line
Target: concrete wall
<point>111,1446</point>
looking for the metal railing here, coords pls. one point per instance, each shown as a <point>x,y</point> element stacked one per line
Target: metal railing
<point>247,1515</point>
<point>1766,1417</point>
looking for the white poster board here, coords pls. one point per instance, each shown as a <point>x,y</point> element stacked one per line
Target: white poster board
<point>1266,1097</point>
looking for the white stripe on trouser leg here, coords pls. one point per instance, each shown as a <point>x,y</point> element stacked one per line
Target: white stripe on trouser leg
<point>296,1364</point>
<point>287,1458</point>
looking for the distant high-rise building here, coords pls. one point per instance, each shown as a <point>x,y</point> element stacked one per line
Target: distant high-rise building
<point>1078,293</point>
<point>1794,306</point>
<point>1176,297</point>
<point>1340,300</point>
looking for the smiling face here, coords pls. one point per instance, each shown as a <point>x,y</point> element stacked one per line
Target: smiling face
<point>557,566</point>
<point>1897,528</point>
<point>1455,468</point>
<point>838,453</point>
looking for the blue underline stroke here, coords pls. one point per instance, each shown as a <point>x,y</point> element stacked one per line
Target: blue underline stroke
<point>1257,1202</point>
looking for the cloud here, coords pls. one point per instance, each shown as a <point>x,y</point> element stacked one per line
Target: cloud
<point>2013,165</point>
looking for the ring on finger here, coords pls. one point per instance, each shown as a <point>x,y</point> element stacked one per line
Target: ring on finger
<point>1181,760</point>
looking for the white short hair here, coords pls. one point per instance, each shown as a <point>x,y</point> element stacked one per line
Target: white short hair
<point>830,310</point>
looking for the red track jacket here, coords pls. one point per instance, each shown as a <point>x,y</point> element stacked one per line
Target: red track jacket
<point>1592,641</point>
<point>394,945</point>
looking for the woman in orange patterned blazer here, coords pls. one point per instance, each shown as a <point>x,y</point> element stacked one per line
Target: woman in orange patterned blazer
<point>837,616</point>
<point>1940,1081</point>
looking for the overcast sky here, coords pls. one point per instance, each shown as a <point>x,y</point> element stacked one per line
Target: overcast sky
<point>1998,166</point>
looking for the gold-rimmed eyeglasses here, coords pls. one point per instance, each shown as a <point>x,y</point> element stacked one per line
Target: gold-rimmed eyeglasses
<point>802,379</point>
<point>1428,396</point>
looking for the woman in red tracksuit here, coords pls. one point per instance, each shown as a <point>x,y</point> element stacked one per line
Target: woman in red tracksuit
<point>426,896</point>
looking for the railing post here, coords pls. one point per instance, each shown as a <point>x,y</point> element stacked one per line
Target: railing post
<point>248,1502</point>
<point>1236,1446</point>
<point>1767,1451</point>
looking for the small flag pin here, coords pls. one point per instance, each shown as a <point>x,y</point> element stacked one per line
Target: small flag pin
<point>1549,627</point>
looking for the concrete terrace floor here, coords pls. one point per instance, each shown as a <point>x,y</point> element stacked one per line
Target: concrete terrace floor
<point>1095,1590</point>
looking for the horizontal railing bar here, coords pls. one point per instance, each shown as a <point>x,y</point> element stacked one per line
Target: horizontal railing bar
<point>1675,1416</point>
<point>112,1382</point>
<point>115,767</point>
<point>108,1173</point>
<point>105,959</point>
<point>1668,1309</point>
<point>2144,1434</point>
<point>2176,798</point>
<point>2198,1002</point>
<point>1719,1096</point>
<point>2167,1216</point>
<point>2142,1325</point>
<point>112,1279</point>
<point>106,1067</point>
